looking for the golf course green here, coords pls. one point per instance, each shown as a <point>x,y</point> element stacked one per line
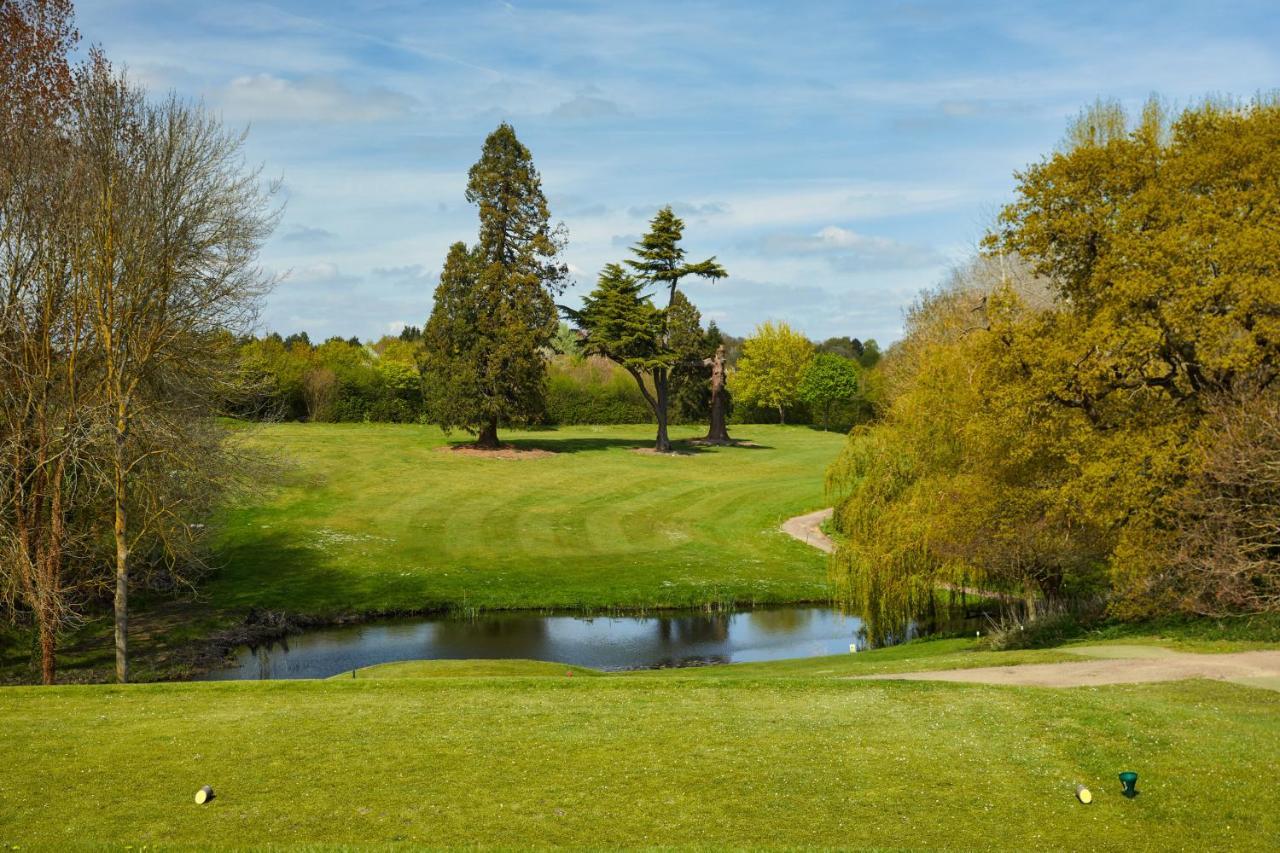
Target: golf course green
<point>386,517</point>
<point>358,520</point>
<point>527,753</point>
<point>362,519</point>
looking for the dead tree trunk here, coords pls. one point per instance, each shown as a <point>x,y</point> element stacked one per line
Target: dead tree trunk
<point>718,432</point>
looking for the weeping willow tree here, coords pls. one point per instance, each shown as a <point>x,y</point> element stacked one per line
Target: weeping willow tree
<point>893,476</point>
<point>959,485</point>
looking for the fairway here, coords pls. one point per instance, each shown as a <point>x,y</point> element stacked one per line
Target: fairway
<point>384,517</point>
<point>522,753</point>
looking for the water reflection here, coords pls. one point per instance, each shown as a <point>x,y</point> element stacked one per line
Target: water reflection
<point>783,620</point>
<point>610,643</point>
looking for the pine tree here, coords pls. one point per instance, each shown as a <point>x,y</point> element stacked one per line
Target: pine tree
<point>623,325</point>
<point>450,363</point>
<point>495,310</point>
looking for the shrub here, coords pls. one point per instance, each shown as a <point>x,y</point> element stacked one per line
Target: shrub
<point>592,391</point>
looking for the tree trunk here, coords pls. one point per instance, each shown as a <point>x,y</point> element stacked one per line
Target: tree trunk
<point>122,564</point>
<point>663,443</point>
<point>488,438</point>
<point>718,432</point>
<point>48,648</point>
<point>826,417</point>
<point>782,416</point>
<point>122,595</point>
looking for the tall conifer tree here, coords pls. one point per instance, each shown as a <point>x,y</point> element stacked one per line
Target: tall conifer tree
<point>494,310</point>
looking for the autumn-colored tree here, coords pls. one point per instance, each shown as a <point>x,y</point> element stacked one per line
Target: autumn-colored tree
<point>45,410</point>
<point>1153,237</point>
<point>1047,415</point>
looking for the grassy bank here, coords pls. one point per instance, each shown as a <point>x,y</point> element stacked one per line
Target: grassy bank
<point>377,518</point>
<point>522,753</point>
<point>381,517</point>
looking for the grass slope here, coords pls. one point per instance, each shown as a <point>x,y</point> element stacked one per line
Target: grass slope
<point>642,760</point>
<point>377,517</point>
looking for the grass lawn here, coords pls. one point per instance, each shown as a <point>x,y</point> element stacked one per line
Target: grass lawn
<point>521,753</point>
<point>378,517</point>
<point>381,518</point>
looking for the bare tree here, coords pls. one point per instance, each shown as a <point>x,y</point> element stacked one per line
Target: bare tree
<point>45,419</point>
<point>128,237</point>
<point>172,226</point>
<point>319,387</point>
<point>1227,535</point>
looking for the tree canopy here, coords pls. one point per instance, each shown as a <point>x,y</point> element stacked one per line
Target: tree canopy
<point>829,379</point>
<point>772,365</point>
<point>1049,409</point>
<point>621,321</point>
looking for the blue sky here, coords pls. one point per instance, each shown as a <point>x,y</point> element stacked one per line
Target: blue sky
<point>835,157</point>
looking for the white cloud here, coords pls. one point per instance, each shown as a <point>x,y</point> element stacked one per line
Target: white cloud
<point>307,235</point>
<point>848,250</point>
<point>586,107</point>
<point>265,97</point>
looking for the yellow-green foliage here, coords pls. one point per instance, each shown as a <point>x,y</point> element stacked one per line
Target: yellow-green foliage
<point>771,368</point>
<point>592,390</point>
<point>1041,416</point>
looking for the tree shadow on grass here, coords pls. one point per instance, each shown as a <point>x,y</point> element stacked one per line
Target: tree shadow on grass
<point>588,444</point>
<point>553,444</point>
<point>276,570</point>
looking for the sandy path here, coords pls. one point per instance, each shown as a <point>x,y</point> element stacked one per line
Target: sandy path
<point>1111,664</point>
<point>805,528</point>
<point>1118,665</point>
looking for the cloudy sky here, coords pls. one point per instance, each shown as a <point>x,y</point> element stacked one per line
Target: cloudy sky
<point>836,157</point>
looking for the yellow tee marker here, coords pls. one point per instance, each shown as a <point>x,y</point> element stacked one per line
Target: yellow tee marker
<point>1084,795</point>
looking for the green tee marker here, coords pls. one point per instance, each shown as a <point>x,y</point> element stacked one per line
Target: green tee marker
<point>1129,780</point>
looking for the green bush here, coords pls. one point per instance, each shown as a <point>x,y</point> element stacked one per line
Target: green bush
<point>592,391</point>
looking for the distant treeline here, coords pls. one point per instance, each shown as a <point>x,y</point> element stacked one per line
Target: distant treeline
<point>347,380</point>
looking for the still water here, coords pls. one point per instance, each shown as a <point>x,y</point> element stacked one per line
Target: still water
<point>602,642</point>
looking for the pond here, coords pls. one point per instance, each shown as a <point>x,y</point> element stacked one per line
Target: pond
<point>601,642</point>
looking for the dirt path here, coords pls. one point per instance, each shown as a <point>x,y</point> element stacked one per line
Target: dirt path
<point>1118,665</point>
<point>805,528</point>
<point>1111,664</point>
